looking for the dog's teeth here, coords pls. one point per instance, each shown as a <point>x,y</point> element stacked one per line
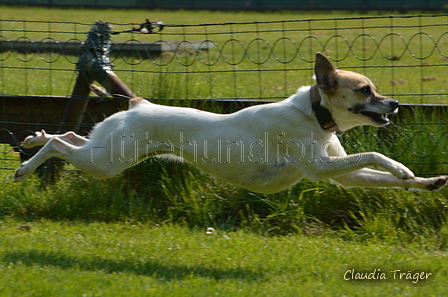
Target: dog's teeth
<point>383,116</point>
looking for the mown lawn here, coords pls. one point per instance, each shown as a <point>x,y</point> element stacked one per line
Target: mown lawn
<point>44,258</point>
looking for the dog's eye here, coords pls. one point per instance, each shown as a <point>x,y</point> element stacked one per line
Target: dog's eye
<point>365,91</point>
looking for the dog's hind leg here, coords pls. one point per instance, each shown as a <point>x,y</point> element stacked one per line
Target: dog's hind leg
<point>55,147</point>
<point>73,138</point>
<point>41,138</point>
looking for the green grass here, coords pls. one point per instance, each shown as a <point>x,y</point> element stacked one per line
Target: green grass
<point>45,258</point>
<point>258,47</point>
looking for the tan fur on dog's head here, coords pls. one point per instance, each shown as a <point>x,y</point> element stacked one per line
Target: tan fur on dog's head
<point>351,97</point>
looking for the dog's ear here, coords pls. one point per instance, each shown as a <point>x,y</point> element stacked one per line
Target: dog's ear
<point>325,73</point>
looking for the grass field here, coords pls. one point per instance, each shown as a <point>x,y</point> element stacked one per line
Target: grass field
<point>44,258</point>
<point>146,233</point>
<point>275,58</point>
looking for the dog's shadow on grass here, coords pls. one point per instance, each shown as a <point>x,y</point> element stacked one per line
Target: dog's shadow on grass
<point>152,268</point>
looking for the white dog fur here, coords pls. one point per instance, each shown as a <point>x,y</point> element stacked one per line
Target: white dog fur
<point>265,148</point>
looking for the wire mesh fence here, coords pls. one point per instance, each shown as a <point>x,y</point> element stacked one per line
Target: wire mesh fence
<point>406,57</point>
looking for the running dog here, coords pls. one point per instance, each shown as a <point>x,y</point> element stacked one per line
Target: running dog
<point>265,148</point>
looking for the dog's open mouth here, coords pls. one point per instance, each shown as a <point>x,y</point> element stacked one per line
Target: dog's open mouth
<point>378,118</point>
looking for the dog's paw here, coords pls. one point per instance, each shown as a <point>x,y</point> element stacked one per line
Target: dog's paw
<point>433,183</point>
<point>39,138</point>
<point>22,172</point>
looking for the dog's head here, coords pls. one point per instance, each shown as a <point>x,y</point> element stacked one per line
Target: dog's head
<point>351,97</point>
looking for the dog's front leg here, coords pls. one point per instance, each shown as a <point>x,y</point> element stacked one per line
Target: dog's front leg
<point>328,159</point>
<point>379,179</point>
<point>324,160</point>
<point>366,177</point>
<point>331,166</point>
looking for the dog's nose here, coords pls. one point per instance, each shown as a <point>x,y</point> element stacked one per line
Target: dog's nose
<point>394,104</point>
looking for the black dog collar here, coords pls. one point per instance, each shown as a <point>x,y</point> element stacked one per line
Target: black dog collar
<point>323,115</point>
